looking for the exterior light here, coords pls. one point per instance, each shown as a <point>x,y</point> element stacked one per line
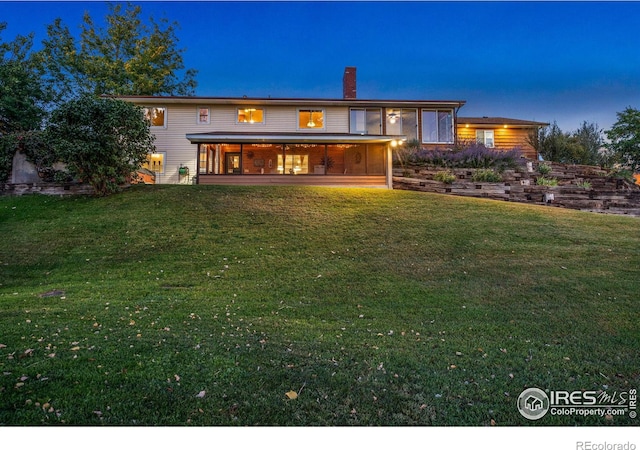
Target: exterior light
<point>394,143</point>
<point>393,118</point>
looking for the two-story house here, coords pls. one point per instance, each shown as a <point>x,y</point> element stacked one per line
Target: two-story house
<point>347,141</point>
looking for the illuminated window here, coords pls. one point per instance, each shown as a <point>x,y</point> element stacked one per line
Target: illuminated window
<point>157,116</point>
<point>437,126</point>
<point>293,164</point>
<point>366,121</point>
<point>155,162</point>
<point>204,115</point>
<point>250,115</point>
<point>485,137</point>
<point>311,119</point>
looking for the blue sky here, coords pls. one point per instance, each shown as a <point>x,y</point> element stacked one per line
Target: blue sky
<point>547,61</point>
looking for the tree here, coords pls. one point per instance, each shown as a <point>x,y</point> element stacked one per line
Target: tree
<point>23,96</point>
<point>589,138</point>
<point>102,141</point>
<point>127,58</point>
<point>581,146</point>
<point>624,138</point>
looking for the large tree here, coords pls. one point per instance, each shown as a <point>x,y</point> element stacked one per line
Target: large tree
<point>128,57</point>
<point>624,137</point>
<point>102,141</point>
<point>23,95</point>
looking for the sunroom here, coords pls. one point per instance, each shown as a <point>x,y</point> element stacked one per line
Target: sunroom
<point>294,158</point>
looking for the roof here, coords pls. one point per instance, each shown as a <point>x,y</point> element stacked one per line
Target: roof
<point>290,138</point>
<point>288,101</point>
<point>500,121</point>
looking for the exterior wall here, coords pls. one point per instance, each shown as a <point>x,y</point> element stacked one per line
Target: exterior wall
<point>505,138</point>
<point>182,119</point>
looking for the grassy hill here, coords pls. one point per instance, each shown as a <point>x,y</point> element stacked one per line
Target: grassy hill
<point>208,305</point>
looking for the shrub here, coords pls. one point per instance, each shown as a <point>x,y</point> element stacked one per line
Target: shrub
<point>7,150</point>
<point>544,169</point>
<point>486,175</point>
<point>444,177</point>
<point>542,181</point>
<point>583,184</point>
<point>474,156</point>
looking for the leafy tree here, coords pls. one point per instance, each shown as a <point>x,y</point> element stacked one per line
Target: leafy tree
<point>23,96</point>
<point>127,58</point>
<point>102,141</point>
<point>589,138</point>
<point>624,138</point>
<point>578,147</point>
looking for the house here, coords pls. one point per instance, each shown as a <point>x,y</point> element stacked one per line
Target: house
<point>499,133</point>
<point>346,141</point>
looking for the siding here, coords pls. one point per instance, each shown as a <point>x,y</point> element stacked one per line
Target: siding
<point>505,138</point>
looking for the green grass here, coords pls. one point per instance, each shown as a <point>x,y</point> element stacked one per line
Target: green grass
<point>378,307</point>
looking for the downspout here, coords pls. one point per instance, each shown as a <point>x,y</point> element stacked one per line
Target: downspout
<point>455,125</point>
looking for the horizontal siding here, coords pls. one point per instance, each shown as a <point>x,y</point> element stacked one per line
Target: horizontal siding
<point>505,139</point>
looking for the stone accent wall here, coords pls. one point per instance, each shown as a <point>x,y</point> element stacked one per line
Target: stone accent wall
<point>606,195</point>
<point>45,188</point>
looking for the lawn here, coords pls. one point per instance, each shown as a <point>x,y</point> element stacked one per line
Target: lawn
<point>189,305</point>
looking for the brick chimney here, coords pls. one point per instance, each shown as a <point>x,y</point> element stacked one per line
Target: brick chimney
<point>349,83</point>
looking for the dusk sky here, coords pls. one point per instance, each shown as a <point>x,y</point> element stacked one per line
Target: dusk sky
<point>545,61</point>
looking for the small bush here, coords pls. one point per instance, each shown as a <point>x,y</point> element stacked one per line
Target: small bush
<point>542,181</point>
<point>487,176</point>
<point>544,169</point>
<point>584,185</point>
<point>444,177</point>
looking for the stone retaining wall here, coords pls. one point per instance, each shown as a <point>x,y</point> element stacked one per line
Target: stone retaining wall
<point>45,188</point>
<point>605,195</point>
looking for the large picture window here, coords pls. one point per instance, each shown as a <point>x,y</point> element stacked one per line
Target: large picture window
<point>310,119</point>
<point>365,121</point>
<point>403,122</point>
<point>437,126</point>
<point>157,116</point>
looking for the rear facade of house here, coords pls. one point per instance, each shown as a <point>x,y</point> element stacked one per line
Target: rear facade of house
<point>347,141</point>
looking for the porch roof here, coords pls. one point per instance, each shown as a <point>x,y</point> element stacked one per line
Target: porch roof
<point>290,138</point>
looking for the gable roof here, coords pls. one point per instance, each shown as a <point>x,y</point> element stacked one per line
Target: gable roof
<point>514,123</point>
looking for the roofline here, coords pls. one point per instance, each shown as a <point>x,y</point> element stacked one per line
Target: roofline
<point>477,121</point>
<point>154,99</point>
<point>290,138</point>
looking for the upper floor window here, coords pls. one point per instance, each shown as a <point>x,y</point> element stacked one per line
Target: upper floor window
<point>250,115</point>
<point>204,115</point>
<point>365,121</point>
<point>157,116</point>
<point>310,118</point>
<point>437,126</point>
<point>485,137</point>
<point>402,122</point>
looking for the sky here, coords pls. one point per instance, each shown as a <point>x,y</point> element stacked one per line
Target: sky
<point>567,62</point>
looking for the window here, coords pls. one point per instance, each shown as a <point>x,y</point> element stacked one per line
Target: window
<point>250,115</point>
<point>157,116</point>
<point>310,118</point>
<point>366,121</point>
<point>485,137</point>
<point>437,126</point>
<point>204,117</point>
<point>403,122</point>
<point>155,162</point>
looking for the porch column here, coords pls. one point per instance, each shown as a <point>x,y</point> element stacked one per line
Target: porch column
<point>389,165</point>
<point>198,165</point>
